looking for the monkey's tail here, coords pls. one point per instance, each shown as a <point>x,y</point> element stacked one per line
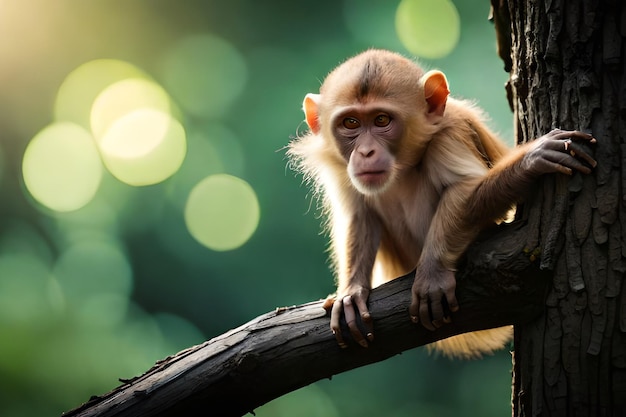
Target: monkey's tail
<point>474,345</point>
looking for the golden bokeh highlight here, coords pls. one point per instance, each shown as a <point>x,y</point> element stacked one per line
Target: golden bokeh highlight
<point>83,85</point>
<point>130,117</point>
<point>61,167</point>
<point>428,28</point>
<point>222,212</point>
<point>124,97</point>
<point>144,147</point>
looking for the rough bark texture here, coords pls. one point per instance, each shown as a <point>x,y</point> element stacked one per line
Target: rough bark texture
<point>568,71</point>
<point>289,348</point>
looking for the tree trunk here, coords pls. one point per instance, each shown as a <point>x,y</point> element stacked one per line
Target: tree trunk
<point>568,71</point>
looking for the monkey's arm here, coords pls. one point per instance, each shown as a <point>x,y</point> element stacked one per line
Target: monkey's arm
<point>471,203</point>
<point>360,245</point>
<point>508,181</point>
<point>446,240</point>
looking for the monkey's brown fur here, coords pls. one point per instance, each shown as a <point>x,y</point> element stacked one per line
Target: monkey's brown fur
<point>407,177</point>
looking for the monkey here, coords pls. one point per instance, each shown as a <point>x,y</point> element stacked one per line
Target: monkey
<point>407,177</point>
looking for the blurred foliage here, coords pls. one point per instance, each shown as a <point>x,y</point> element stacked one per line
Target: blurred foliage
<point>123,122</point>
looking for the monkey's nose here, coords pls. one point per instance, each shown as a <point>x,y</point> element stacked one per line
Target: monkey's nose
<point>366,152</point>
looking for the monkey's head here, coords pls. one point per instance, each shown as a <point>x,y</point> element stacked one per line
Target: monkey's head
<point>377,112</point>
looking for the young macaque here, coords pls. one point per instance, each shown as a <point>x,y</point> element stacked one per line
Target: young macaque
<point>408,176</point>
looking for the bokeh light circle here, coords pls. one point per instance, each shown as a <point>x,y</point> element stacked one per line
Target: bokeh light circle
<point>136,134</point>
<point>61,167</point>
<point>205,74</point>
<point>80,88</point>
<point>124,97</point>
<point>222,212</point>
<point>428,28</point>
<point>144,147</point>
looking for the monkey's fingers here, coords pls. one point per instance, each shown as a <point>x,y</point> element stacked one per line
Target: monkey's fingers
<point>335,316</point>
<point>414,309</point>
<point>366,317</point>
<point>424,314</point>
<point>557,161</point>
<point>577,151</point>
<point>580,136</point>
<point>569,142</point>
<point>439,311</point>
<point>567,145</point>
<point>419,310</point>
<point>559,134</point>
<point>436,310</point>
<point>450,291</point>
<point>350,314</point>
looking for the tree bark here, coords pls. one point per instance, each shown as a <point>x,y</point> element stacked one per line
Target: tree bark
<point>230,375</point>
<point>568,71</point>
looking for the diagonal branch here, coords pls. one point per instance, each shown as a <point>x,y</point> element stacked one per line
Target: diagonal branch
<point>281,351</point>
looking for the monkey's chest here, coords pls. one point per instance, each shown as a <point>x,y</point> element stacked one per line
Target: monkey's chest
<point>406,220</point>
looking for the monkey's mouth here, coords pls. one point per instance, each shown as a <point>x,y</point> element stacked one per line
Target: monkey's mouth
<point>372,177</point>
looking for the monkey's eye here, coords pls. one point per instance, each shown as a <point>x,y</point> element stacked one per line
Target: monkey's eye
<point>351,123</point>
<point>382,120</point>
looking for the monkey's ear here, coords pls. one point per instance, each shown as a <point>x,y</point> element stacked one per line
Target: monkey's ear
<point>436,93</point>
<point>310,111</point>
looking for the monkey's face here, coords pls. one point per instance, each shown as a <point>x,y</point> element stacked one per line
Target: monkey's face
<point>368,138</point>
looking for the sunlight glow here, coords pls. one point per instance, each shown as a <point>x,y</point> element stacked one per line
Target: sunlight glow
<point>81,87</point>
<point>130,117</point>
<point>144,147</point>
<point>61,167</point>
<point>222,212</point>
<point>428,28</point>
<point>135,134</point>
<point>125,97</point>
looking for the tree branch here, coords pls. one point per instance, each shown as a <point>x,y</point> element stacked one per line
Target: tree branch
<point>499,283</point>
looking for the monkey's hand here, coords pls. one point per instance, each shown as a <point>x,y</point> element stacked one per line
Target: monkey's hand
<point>433,284</point>
<point>559,151</point>
<point>352,302</point>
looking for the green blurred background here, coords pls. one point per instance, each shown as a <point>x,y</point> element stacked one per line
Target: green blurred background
<point>147,204</point>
